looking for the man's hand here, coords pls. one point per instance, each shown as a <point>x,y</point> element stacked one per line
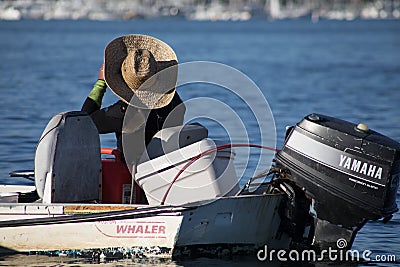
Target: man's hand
<point>101,73</point>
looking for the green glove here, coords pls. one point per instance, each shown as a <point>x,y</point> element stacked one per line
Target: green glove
<point>98,91</point>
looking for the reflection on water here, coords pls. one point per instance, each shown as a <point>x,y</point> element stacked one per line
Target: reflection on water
<point>248,261</point>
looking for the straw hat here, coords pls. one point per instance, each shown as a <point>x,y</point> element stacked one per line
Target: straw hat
<point>130,65</point>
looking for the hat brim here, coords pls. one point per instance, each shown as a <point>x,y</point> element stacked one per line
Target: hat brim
<point>151,97</point>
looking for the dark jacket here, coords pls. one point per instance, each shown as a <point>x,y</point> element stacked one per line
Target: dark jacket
<point>110,119</point>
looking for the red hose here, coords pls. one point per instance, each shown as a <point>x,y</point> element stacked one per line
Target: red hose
<point>195,158</point>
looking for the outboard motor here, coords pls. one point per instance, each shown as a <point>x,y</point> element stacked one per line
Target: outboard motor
<point>348,172</point>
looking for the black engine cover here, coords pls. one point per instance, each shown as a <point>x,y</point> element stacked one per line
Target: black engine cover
<point>350,171</point>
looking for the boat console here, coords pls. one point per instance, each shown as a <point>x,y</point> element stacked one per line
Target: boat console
<point>211,176</point>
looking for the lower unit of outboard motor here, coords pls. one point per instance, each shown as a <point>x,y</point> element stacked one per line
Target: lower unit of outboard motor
<point>349,173</point>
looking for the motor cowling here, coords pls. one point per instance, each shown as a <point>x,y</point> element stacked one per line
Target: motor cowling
<point>350,173</point>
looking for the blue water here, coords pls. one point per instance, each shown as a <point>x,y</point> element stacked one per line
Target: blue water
<point>349,70</point>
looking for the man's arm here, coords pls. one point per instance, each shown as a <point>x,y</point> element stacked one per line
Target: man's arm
<point>93,101</point>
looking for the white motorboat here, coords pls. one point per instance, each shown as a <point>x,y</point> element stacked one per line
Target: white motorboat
<point>330,177</point>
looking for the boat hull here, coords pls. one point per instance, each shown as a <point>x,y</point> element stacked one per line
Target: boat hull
<point>233,220</point>
<point>244,220</point>
<point>159,231</point>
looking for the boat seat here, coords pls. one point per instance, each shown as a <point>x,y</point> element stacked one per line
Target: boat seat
<point>68,160</point>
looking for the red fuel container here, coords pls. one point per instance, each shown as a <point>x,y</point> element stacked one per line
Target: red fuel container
<point>116,179</point>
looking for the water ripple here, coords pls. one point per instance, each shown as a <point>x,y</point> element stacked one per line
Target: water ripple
<point>346,70</point>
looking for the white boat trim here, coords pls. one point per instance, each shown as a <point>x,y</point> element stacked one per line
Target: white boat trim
<point>50,227</point>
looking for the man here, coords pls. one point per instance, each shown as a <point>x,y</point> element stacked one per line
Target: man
<point>142,72</point>
<point>129,62</point>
